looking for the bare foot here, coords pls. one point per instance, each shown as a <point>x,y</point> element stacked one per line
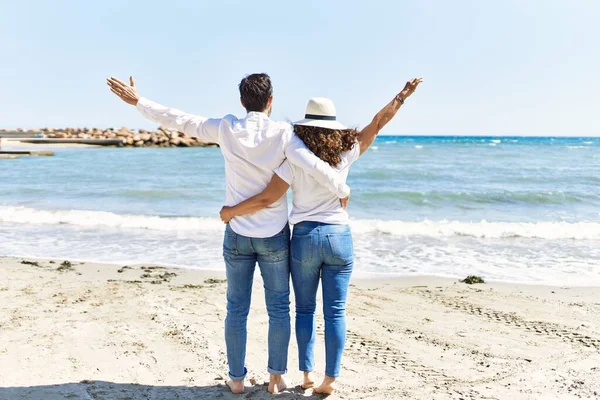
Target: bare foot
<point>276,384</point>
<point>327,386</point>
<point>236,387</point>
<point>308,381</point>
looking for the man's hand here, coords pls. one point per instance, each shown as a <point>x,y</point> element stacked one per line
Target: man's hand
<point>226,214</point>
<point>127,93</point>
<point>410,87</point>
<point>344,202</point>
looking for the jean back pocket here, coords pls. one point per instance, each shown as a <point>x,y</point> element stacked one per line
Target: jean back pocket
<point>341,250</point>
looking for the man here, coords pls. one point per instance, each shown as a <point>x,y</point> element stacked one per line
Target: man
<point>253,147</point>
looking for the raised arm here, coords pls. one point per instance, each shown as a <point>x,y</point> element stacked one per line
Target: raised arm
<point>385,115</point>
<point>273,192</point>
<point>298,154</point>
<point>192,125</point>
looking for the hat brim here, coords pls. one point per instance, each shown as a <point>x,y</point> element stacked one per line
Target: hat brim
<point>321,123</point>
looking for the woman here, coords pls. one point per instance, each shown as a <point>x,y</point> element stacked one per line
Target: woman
<point>321,246</point>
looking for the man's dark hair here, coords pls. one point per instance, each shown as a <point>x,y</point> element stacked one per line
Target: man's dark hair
<point>255,90</point>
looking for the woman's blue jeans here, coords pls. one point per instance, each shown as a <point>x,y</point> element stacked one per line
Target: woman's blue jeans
<point>321,252</point>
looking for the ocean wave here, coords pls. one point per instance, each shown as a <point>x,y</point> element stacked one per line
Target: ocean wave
<point>438,229</point>
<point>25,215</point>
<point>476,198</point>
<point>483,229</point>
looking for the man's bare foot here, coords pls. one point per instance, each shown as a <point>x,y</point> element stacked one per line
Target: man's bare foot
<point>308,381</point>
<point>327,386</point>
<point>236,387</point>
<point>276,384</point>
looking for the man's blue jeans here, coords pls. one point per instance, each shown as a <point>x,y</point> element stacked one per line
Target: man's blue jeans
<point>241,254</point>
<point>321,252</point>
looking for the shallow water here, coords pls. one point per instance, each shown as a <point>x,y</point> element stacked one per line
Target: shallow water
<point>508,208</point>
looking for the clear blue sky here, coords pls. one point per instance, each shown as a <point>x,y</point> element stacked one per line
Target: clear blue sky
<point>490,67</point>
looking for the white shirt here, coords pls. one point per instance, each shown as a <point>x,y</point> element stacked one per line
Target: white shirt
<point>312,201</point>
<point>252,147</point>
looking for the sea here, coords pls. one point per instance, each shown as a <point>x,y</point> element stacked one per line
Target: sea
<point>513,209</point>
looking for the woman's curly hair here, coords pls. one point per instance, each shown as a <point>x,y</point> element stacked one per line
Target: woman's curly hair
<point>327,144</point>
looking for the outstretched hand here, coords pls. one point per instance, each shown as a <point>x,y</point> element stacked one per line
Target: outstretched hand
<point>410,87</point>
<point>127,93</point>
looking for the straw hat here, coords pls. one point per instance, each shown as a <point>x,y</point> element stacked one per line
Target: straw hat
<point>320,111</point>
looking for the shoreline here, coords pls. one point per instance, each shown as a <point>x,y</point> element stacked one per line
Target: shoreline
<point>89,330</point>
<point>356,275</point>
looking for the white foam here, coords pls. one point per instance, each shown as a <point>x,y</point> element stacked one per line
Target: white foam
<point>496,141</point>
<point>418,146</point>
<point>24,215</point>
<point>482,229</point>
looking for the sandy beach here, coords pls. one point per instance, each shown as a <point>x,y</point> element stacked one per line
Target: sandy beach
<point>92,331</point>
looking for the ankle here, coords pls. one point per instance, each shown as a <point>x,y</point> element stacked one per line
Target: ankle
<point>275,378</point>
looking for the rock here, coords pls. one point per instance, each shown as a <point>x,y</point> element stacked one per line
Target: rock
<point>137,137</point>
<point>175,141</point>
<point>138,143</point>
<point>129,141</point>
<point>123,131</point>
<point>145,137</point>
<point>60,135</point>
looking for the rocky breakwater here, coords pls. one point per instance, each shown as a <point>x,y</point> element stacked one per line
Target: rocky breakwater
<point>141,138</point>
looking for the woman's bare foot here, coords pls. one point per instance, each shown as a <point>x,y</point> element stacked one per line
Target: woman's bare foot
<point>308,381</point>
<point>327,386</point>
<point>276,384</point>
<point>236,387</point>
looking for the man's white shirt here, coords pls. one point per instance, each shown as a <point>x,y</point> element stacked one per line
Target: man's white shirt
<point>253,147</point>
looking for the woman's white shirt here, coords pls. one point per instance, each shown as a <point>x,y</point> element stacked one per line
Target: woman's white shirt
<point>312,201</point>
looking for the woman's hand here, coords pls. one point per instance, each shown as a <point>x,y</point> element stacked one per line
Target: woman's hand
<point>226,214</point>
<point>410,87</point>
<point>344,202</point>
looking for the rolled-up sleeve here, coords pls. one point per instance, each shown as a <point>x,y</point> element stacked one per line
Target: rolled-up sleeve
<point>206,129</point>
<point>298,154</point>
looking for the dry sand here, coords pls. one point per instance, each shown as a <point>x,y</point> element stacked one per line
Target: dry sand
<point>105,332</point>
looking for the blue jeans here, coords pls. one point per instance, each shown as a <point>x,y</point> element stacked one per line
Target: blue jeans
<point>241,254</point>
<point>321,251</point>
